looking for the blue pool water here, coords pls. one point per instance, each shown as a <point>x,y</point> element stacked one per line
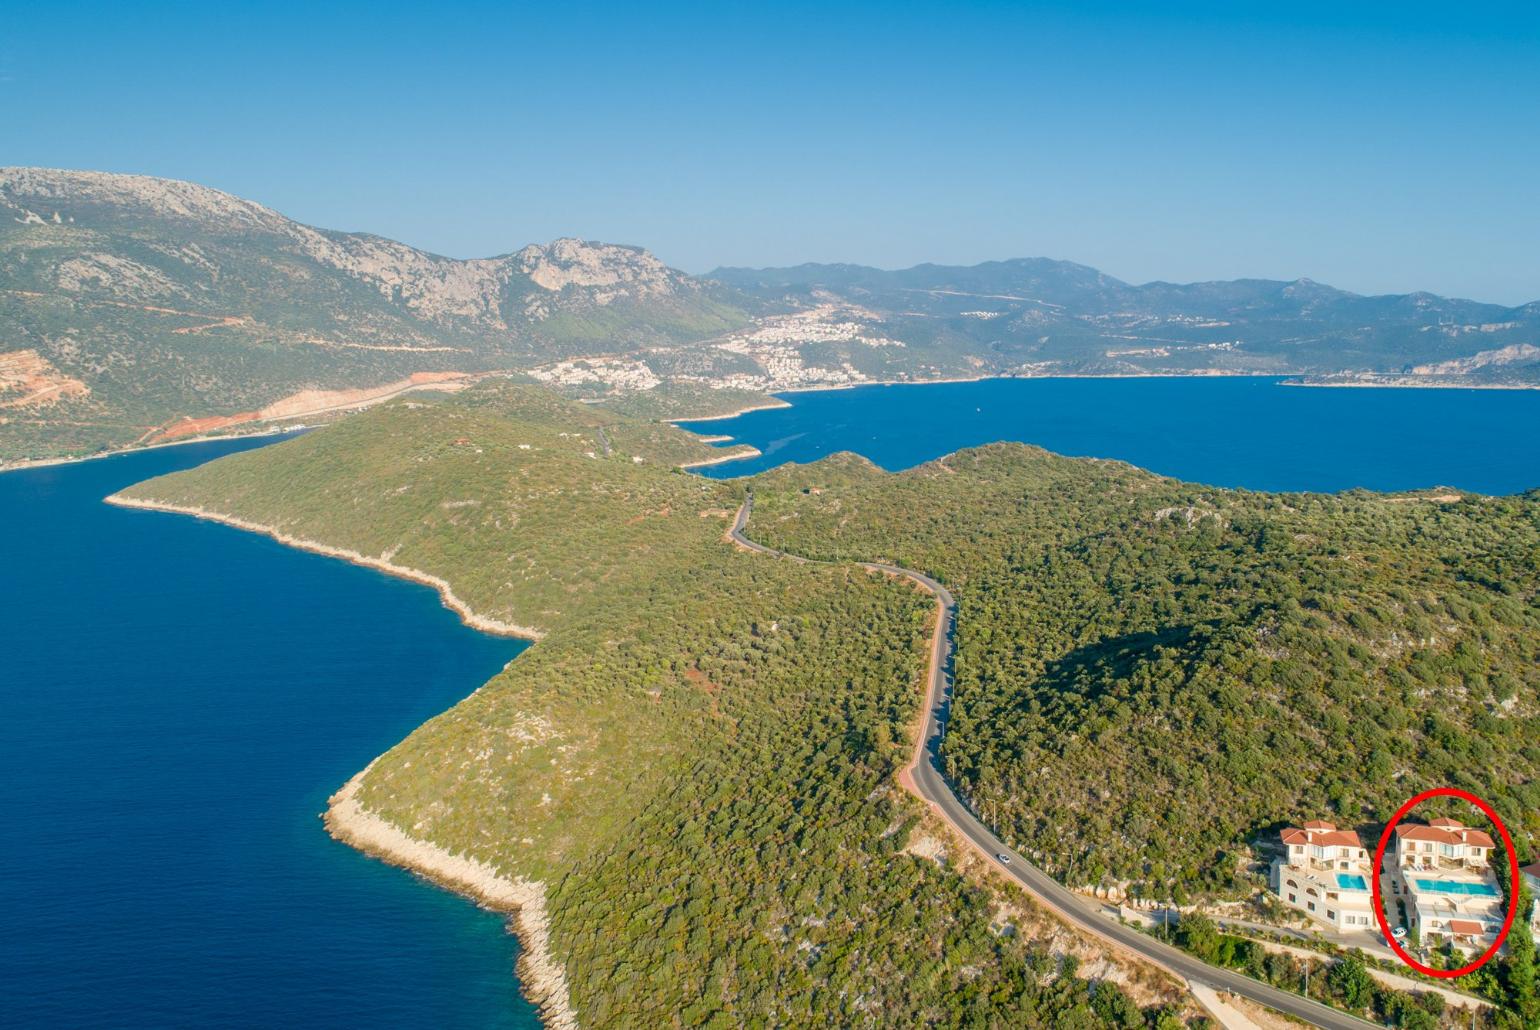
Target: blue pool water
<point>1228,431</point>
<point>1352,882</point>
<point>1480,890</point>
<point>180,698</point>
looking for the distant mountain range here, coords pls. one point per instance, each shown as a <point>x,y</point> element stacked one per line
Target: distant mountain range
<point>1046,316</point>
<point>135,309</point>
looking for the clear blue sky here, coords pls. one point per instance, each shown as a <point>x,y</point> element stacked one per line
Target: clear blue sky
<point>1385,148</point>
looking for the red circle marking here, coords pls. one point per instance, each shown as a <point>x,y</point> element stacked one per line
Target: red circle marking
<point>1513,893</point>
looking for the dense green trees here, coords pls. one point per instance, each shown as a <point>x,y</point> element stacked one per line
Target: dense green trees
<point>1513,981</point>
<point>1151,675</point>
<point>1343,981</point>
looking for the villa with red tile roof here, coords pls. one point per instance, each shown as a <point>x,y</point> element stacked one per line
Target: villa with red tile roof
<point>1324,873</point>
<point>1443,878</point>
<point>1442,843</point>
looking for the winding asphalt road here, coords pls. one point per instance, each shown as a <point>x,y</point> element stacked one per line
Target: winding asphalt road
<point>930,784</point>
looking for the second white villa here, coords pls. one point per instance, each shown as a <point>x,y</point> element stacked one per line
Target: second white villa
<point>1443,874</point>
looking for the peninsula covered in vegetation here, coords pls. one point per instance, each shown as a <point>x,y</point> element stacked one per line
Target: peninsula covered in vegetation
<point>694,770</point>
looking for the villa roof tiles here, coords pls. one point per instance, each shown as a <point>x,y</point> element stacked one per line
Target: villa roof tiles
<point>1448,833</point>
<point>1321,834</point>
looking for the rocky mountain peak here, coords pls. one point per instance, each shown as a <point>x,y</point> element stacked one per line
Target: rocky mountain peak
<point>58,195</point>
<point>606,266</point>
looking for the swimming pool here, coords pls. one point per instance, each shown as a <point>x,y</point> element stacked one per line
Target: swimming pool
<point>1351,882</point>
<point>1482,890</point>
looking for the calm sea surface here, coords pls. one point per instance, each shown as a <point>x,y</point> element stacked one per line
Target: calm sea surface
<point>179,699</point>
<point>1249,432</point>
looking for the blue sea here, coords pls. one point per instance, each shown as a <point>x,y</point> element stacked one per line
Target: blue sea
<point>1232,431</point>
<point>179,700</point>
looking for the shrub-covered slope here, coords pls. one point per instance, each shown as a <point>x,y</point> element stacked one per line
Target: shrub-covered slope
<point>1151,673</point>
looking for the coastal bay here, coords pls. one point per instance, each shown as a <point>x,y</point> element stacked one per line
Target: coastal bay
<point>1240,431</point>
<point>182,698</point>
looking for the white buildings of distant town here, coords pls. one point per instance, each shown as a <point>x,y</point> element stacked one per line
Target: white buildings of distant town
<point>1324,873</point>
<point>626,374</point>
<point>775,345</point>
<point>1531,874</point>
<point>1444,877</point>
<point>827,323</point>
<point>774,348</point>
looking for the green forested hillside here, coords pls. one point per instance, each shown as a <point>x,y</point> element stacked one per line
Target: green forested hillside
<point>697,758</point>
<point>1152,674</point>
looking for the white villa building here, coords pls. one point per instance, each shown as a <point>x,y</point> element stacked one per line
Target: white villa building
<point>1443,875</point>
<point>1531,874</point>
<point>1325,874</point>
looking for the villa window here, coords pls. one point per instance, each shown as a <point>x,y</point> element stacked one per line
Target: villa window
<point>1330,914</point>
<point>1310,905</point>
<point>1294,898</point>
